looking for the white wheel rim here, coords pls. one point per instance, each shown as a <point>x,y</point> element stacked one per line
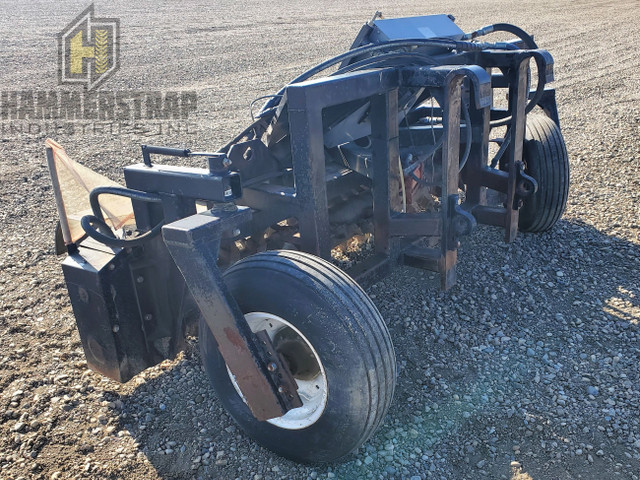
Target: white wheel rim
<point>313,392</point>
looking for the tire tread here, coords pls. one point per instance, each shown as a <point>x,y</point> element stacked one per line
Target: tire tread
<point>371,337</point>
<point>548,162</point>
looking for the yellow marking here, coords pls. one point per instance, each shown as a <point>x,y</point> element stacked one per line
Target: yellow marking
<point>78,53</point>
<point>101,51</point>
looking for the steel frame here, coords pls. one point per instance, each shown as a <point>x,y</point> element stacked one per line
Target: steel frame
<point>193,240</point>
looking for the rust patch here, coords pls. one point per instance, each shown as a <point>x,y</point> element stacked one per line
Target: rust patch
<point>235,338</point>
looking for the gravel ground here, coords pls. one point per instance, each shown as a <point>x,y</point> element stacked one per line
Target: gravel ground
<point>527,369</point>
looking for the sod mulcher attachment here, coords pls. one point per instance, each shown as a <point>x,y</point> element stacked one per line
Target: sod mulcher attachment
<point>409,139</point>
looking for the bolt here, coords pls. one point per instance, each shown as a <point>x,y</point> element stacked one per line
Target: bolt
<point>236,232</point>
<point>112,266</point>
<point>272,367</point>
<point>280,389</point>
<point>116,328</point>
<point>148,317</point>
<point>140,279</point>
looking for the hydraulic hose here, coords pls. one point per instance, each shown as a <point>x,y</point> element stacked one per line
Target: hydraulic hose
<point>467,150</point>
<point>384,58</point>
<point>432,42</point>
<point>536,96</point>
<point>95,226</point>
<point>503,27</point>
<point>529,43</point>
<point>108,238</point>
<point>469,135</point>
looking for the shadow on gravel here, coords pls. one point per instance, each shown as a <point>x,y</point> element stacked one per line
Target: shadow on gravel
<point>532,358</point>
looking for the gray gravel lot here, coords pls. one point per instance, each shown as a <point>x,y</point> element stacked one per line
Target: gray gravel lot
<point>527,369</point>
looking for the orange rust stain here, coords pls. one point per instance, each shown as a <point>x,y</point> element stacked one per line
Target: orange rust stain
<point>235,338</point>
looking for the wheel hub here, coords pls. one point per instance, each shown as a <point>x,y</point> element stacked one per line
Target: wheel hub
<point>303,363</point>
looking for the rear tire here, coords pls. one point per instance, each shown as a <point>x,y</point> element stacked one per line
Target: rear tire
<point>309,301</point>
<point>546,160</point>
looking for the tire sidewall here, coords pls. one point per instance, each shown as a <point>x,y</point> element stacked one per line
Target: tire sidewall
<point>546,160</point>
<point>298,300</point>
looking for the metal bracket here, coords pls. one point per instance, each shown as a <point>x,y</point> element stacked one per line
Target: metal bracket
<point>525,186</point>
<point>441,75</point>
<point>463,222</point>
<point>279,372</point>
<point>193,243</point>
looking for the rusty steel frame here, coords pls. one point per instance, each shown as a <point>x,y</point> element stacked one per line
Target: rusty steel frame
<point>192,240</point>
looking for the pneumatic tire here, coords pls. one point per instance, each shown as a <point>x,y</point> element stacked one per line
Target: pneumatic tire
<point>311,310</point>
<point>546,160</point>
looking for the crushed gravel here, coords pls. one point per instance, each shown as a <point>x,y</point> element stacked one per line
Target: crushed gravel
<point>527,369</point>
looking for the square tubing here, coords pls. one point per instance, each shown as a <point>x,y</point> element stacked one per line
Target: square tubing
<point>385,149</point>
<point>193,243</point>
<point>479,154</point>
<point>307,150</point>
<point>306,100</point>
<point>450,175</point>
<point>517,102</point>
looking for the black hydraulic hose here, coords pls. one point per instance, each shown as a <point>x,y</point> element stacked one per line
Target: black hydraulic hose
<point>536,96</point>
<point>528,40</point>
<point>503,148</point>
<point>469,135</point>
<point>434,42</point>
<point>529,43</point>
<point>103,232</point>
<point>263,97</point>
<point>467,148</point>
<point>94,201</point>
<point>108,238</point>
<point>422,181</point>
<point>100,227</point>
<point>412,168</point>
<point>382,59</point>
<point>504,27</point>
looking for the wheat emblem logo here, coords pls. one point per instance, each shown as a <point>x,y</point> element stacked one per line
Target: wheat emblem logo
<point>89,50</point>
<point>102,47</point>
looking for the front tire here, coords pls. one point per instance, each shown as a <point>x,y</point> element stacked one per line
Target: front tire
<point>335,342</point>
<point>546,160</point>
